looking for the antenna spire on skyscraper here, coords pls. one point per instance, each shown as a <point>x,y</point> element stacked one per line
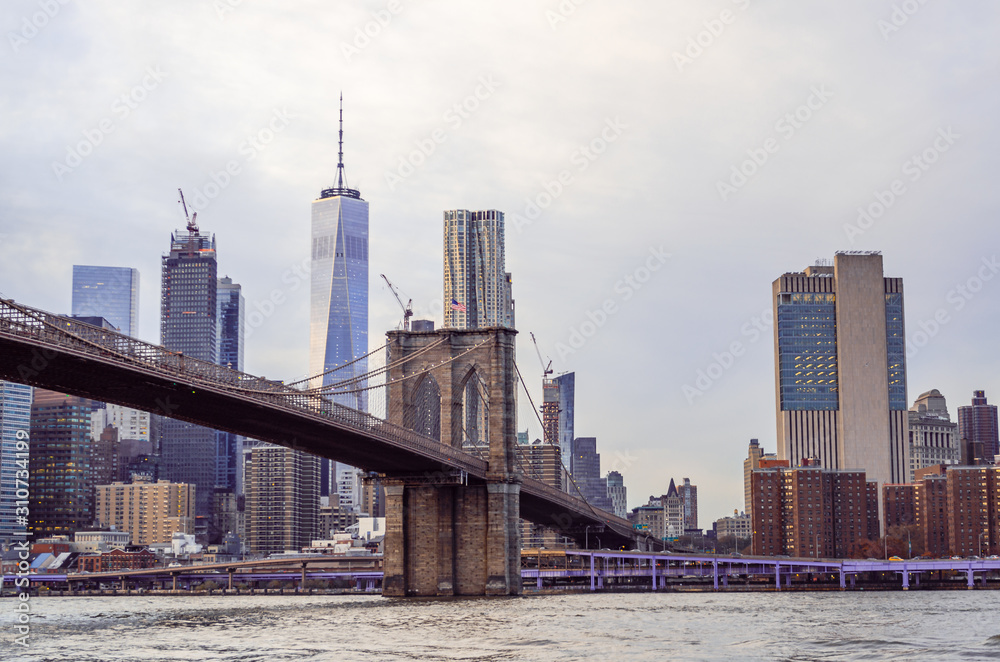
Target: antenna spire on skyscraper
<point>341,187</point>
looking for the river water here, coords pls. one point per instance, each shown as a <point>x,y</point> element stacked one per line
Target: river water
<point>919,625</point>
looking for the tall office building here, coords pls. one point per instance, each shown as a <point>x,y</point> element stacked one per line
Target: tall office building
<point>108,292</point>
<point>477,289</point>
<point>932,434</point>
<point>61,500</point>
<point>338,298</point>
<point>282,499</point>
<point>230,313</point>
<point>840,368</point>
<point>587,462</point>
<point>617,493</point>
<point>189,324</point>
<point>977,424</point>
<point>689,497</point>
<point>566,384</point>
<point>15,426</point>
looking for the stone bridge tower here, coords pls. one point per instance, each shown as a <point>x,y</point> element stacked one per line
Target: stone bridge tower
<point>448,533</point>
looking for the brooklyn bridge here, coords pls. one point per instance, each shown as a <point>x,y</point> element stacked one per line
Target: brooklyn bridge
<point>453,499</point>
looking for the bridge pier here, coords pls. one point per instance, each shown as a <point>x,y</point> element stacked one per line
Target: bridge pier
<point>449,539</point>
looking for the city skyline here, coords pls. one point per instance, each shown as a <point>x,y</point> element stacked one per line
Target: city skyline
<point>873,157</point>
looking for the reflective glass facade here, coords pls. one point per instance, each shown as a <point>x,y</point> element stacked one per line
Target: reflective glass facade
<point>108,292</point>
<point>338,321</point>
<point>807,350</point>
<point>230,313</point>
<point>15,416</point>
<point>895,344</point>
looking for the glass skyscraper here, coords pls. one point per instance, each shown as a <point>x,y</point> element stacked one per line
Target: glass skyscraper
<point>230,313</point>
<point>338,297</point>
<point>189,324</point>
<point>15,418</point>
<point>108,292</point>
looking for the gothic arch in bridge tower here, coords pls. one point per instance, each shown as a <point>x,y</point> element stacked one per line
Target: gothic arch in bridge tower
<point>447,532</point>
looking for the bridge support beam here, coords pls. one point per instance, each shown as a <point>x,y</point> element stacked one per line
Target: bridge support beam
<point>452,539</point>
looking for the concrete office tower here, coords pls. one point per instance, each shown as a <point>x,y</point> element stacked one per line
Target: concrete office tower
<point>61,500</point>
<point>230,313</point>
<point>477,289</point>
<point>977,424</point>
<point>933,439</point>
<point>15,426</point>
<point>840,368</point>
<point>282,499</point>
<point>189,324</point>
<point>108,292</point>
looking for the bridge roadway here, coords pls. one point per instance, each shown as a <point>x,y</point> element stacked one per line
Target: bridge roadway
<point>60,354</point>
<point>602,568</point>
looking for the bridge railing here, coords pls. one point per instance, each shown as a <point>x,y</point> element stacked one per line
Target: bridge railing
<point>64,333</point>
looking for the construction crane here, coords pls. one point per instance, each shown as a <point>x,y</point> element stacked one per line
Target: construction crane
<point>407,309</point>
<point>546,369</point>
<point>192,221</point>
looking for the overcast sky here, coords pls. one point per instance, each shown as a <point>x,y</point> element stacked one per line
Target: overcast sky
<point>681,154</point>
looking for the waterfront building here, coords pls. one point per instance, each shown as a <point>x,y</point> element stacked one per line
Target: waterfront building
<point>15,426</point>
<point>282,499</point>
<point>108,292</point>
<point>617,493</point>
<point>542,462</point>
<point>933,438</point>
<point>61,500</point>
<point>738,527</point>
<point>900,504</point>
<point>977,425</point>
<point>811,511</point>
<point>151,512</point>
<point>756,459</point>
<point>840,368</point>
<point>931,509</point>
<point>189,324</point>
<point>477,289</point>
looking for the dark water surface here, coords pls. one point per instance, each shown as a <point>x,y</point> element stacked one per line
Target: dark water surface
<point>919,625</point>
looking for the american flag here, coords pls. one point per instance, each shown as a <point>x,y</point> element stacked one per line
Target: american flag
<point>455,305</point>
